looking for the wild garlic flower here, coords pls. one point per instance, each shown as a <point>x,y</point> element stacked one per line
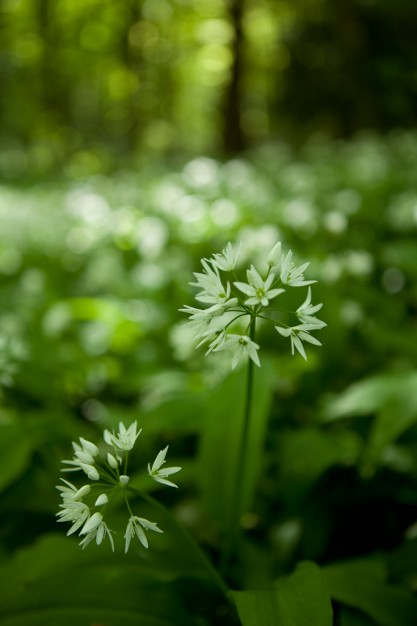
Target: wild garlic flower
<point>160,475</point>
<point>137,526</point>
<point>85,507</point>
<point>229,323</point>
<point>125,438</point>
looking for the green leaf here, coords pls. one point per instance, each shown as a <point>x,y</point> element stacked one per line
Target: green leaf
<point>399,413</point>
<point>55,582</point>
<point>221,440</point>
<point>372,394</point>
<point>361,584</point>
<point>297,600</point>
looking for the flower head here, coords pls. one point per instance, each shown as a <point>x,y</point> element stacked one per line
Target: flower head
<point>79,503</point>
<point>229,323</point>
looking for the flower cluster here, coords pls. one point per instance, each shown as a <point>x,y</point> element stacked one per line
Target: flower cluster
<point>229,320</point>
<point>108,480</point>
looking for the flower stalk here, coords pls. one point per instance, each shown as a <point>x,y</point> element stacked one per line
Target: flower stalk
<point>233,532</point>
<point>226,323</point>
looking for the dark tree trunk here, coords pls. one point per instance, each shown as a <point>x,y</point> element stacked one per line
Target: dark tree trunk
<point>233,137</point>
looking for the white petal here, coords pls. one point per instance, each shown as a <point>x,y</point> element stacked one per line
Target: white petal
<point>160,459</point>
<point>245,288</point>
<point>92,523</point>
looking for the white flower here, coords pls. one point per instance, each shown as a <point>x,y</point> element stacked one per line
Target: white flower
<point>160,475</point>
<point>76,512</point>
<point>227,260</point>
<point>214,336</point>
<point>89,447</point>
<point>306,311</point>
<point>274,256</point>
<point>92,523</point>
<point>298,334</point>
<point>258,289</point>
<point>88,469</point>
<point>70,493</point>
<point>125,438</point>
<point>98,533</point>
<point>292,275</point>
<point>213,290</point>
<point>200,319</point>
<point>83,459</point>
<point>136,525</point>
<point>240,345</point>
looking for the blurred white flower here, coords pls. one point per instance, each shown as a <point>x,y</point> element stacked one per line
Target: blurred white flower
<point>227,260</point>
<point>240,345</point>
<point>274,256</point>
<point>292,275</point>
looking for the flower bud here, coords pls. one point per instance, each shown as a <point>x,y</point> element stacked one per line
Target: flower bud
<point>111,460</point>
<point>275,255</point>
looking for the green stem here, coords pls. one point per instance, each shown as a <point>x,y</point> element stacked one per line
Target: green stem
<point>232,535</point>
<point>192,545</point>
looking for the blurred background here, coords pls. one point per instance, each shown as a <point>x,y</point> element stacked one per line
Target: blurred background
<point>86,85</point>
<point>140,136</point>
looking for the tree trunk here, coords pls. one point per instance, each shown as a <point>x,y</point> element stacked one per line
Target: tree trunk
<point>233,138</point>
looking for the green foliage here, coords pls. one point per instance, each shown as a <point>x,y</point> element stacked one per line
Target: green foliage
<point>92,276</point>
<point>362,584</point>
<point>296,600</point>
<point>54,582</point>
<point>15,449</point>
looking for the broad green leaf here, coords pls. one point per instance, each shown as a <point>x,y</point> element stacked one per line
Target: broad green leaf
<point>296,600</point>
<point>15,450</point>
<point>222,436</point>
<point>257,607</point>
<point>55,582</point>
<point>361,584</point>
